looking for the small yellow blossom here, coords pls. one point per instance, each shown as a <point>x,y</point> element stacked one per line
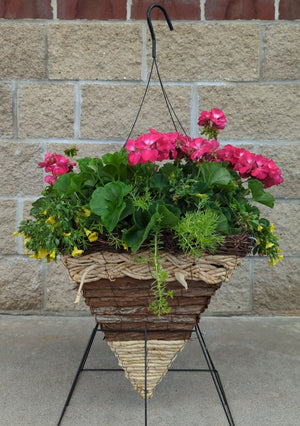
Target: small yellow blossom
<point>125,246</point>
<point>41,254</point>
<point>51,220</point>
<point>272,228</point>
<point>16,234</point>
<point>84,212</point>
<point>87,232</point>
<point>45,212</point>
<point>259,228</point>
<point>186,186</point>
<point>269,244</point>
<point>26,240</point>
<point>274,261</point>
<point>34,255</point>
<point>76,252</point>
<point>201,195</point>
<point>52,254</point>
<point>65,234</point>
<point>93,237</point>
<point>258,240</point>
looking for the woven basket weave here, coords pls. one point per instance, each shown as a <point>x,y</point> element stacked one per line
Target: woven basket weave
<point>117,288</point>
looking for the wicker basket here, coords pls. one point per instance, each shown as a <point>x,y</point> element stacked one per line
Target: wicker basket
<point>117,289</point>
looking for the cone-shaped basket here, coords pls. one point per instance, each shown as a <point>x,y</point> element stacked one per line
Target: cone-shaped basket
<point>117,288</point>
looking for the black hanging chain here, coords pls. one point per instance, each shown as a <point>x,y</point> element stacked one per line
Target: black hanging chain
<point>171,110</point>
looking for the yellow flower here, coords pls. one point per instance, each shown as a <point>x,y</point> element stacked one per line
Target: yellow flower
<point>272,227</point>
<point>259,228</point>
<point>93,236</point>
<point>52,254</point>
<point>27,240</point>
<point>34,255</point>
<point>16,234</point>
<point>65,234</point>
<point>274,261</point>
<point>42,252</point>
<point>186,186</point>
<point>84,212</point>
<point>258,241</point>
<point>45,212</point>
<point>87,232</point>
<point>201,195</point>
<point>269,245</point>
<point>125,246</point>
<point>51,220</point>
<point>76,252</point>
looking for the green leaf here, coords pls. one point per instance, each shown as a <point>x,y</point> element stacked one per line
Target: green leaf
<point>128,209</point>
<point>159,182</point>
<point>223,225</point>
<point>108,203</point>
<point>62,185</point>
<point>90,164</point>
<point>167,218</point>
<point>215,174</point>
<point>259,194</point>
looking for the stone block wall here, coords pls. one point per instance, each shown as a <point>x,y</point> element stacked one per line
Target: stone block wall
<point>74,71</point>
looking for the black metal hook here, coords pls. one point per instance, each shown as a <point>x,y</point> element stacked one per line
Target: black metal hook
<point>151,26</point>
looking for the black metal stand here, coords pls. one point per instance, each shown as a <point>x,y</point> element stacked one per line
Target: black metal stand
<point>211,369</point>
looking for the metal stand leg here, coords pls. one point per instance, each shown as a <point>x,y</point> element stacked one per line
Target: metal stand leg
<point>80,368</point>
<point>211,369</point>
<point>215,376</point>
<point>146,367</point>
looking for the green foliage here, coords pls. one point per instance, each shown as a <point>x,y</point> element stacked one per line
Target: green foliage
<point>130,206</point>
<point>160,304</point>
<point>197,232</point>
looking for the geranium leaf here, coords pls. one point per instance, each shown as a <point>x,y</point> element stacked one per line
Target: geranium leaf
<point>258,193</point>
<point>62,185</point>
<point>160,182</point>
<point>215,174</point>
<point>108,203</point>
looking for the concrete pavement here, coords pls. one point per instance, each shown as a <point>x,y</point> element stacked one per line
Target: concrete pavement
<point>258,359</point>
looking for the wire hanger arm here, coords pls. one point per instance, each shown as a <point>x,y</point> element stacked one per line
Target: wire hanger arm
<point>151,26</point>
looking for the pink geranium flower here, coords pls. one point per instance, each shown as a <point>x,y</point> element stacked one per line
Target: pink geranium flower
<point>214,119</point>
<point>249,165</point>
<point>57,165</point>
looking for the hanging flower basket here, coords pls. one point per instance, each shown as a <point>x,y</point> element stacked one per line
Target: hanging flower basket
<point>149,233</point>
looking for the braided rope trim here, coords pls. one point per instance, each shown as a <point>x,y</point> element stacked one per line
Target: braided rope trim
<point>211,269</point>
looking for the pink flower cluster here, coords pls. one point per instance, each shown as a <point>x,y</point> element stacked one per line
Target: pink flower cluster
<point>153,146</point>
<point>156,146</point>
<point>214,119</point>
<point>57,165</point>
<point>200,149</point>
<point>248,165</point>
